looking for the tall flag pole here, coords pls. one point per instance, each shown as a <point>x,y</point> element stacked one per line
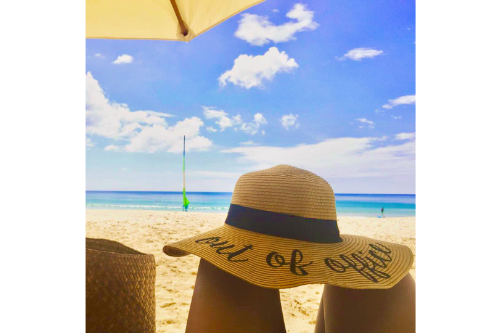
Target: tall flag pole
<point>185,201</point>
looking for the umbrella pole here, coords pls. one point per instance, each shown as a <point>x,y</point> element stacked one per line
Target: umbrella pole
<point>179,18</point>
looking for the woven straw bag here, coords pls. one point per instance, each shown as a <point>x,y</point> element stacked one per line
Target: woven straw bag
<point>120,288</point>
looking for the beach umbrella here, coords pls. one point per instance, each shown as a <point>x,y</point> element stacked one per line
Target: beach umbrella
<point>180,20</point>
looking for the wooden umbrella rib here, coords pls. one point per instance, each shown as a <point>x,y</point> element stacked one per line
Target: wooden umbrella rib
<point>179,18</point>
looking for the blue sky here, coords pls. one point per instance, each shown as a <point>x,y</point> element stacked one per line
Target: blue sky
<point>329,88</point>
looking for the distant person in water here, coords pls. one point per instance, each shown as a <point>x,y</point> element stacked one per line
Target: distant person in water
<point>382,211</point>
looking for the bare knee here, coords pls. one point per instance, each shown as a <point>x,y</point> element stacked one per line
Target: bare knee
<point>224,303</point>
<point>373,310</point>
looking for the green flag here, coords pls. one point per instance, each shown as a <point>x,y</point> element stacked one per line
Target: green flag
<point>185,201</point>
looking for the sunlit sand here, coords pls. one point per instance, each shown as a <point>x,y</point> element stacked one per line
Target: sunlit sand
<point>148,231</point>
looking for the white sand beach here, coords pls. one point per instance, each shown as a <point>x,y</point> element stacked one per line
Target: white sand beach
<point>148,231</point>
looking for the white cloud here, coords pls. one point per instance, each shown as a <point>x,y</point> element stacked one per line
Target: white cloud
<point>396,117</point>
<point>111,148</point>
<point>159,138</point>
<point>222,117</point>
<point>250,71</point>
<point>253,127</point>
<point>403,100</point>
<point>138,131</point>
<point>368,123</point>
<point>237,120</point>
<point>89,143</point>
<point>224,120</point>
<point>115,120</point>
<point>123,59</point>
<point>258,30</point>
<point>211,129</point>
<point>405,136</point>
<point>361,53</point>
<point>98,55</point>
<point>276,10</point>
<point>248,143</point>
<point>289,121</point>
<point>337,158</point>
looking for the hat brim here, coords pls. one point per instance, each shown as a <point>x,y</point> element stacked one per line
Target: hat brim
<point>274,262</point>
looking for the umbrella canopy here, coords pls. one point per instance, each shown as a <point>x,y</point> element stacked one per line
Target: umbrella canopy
<point>159,19</point>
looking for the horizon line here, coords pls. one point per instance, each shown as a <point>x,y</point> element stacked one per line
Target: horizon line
<point>336,193</point>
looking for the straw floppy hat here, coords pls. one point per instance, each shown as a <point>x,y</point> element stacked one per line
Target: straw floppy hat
<point>281,231</point>
<point>120,288</point>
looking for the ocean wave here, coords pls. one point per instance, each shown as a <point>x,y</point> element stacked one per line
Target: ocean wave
<point>125,206</point>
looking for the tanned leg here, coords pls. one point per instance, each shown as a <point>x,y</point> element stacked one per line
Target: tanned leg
<point>320,319</point>
<point>369,311</point>
<point>224,303</point>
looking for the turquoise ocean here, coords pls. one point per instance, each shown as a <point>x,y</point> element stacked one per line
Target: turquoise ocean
<point>218,202</point>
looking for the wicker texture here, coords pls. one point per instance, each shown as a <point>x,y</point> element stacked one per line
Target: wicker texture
<point>258,272</point>
<point>287,190</point>
<point>276,262</point>
<point>120,288</point>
